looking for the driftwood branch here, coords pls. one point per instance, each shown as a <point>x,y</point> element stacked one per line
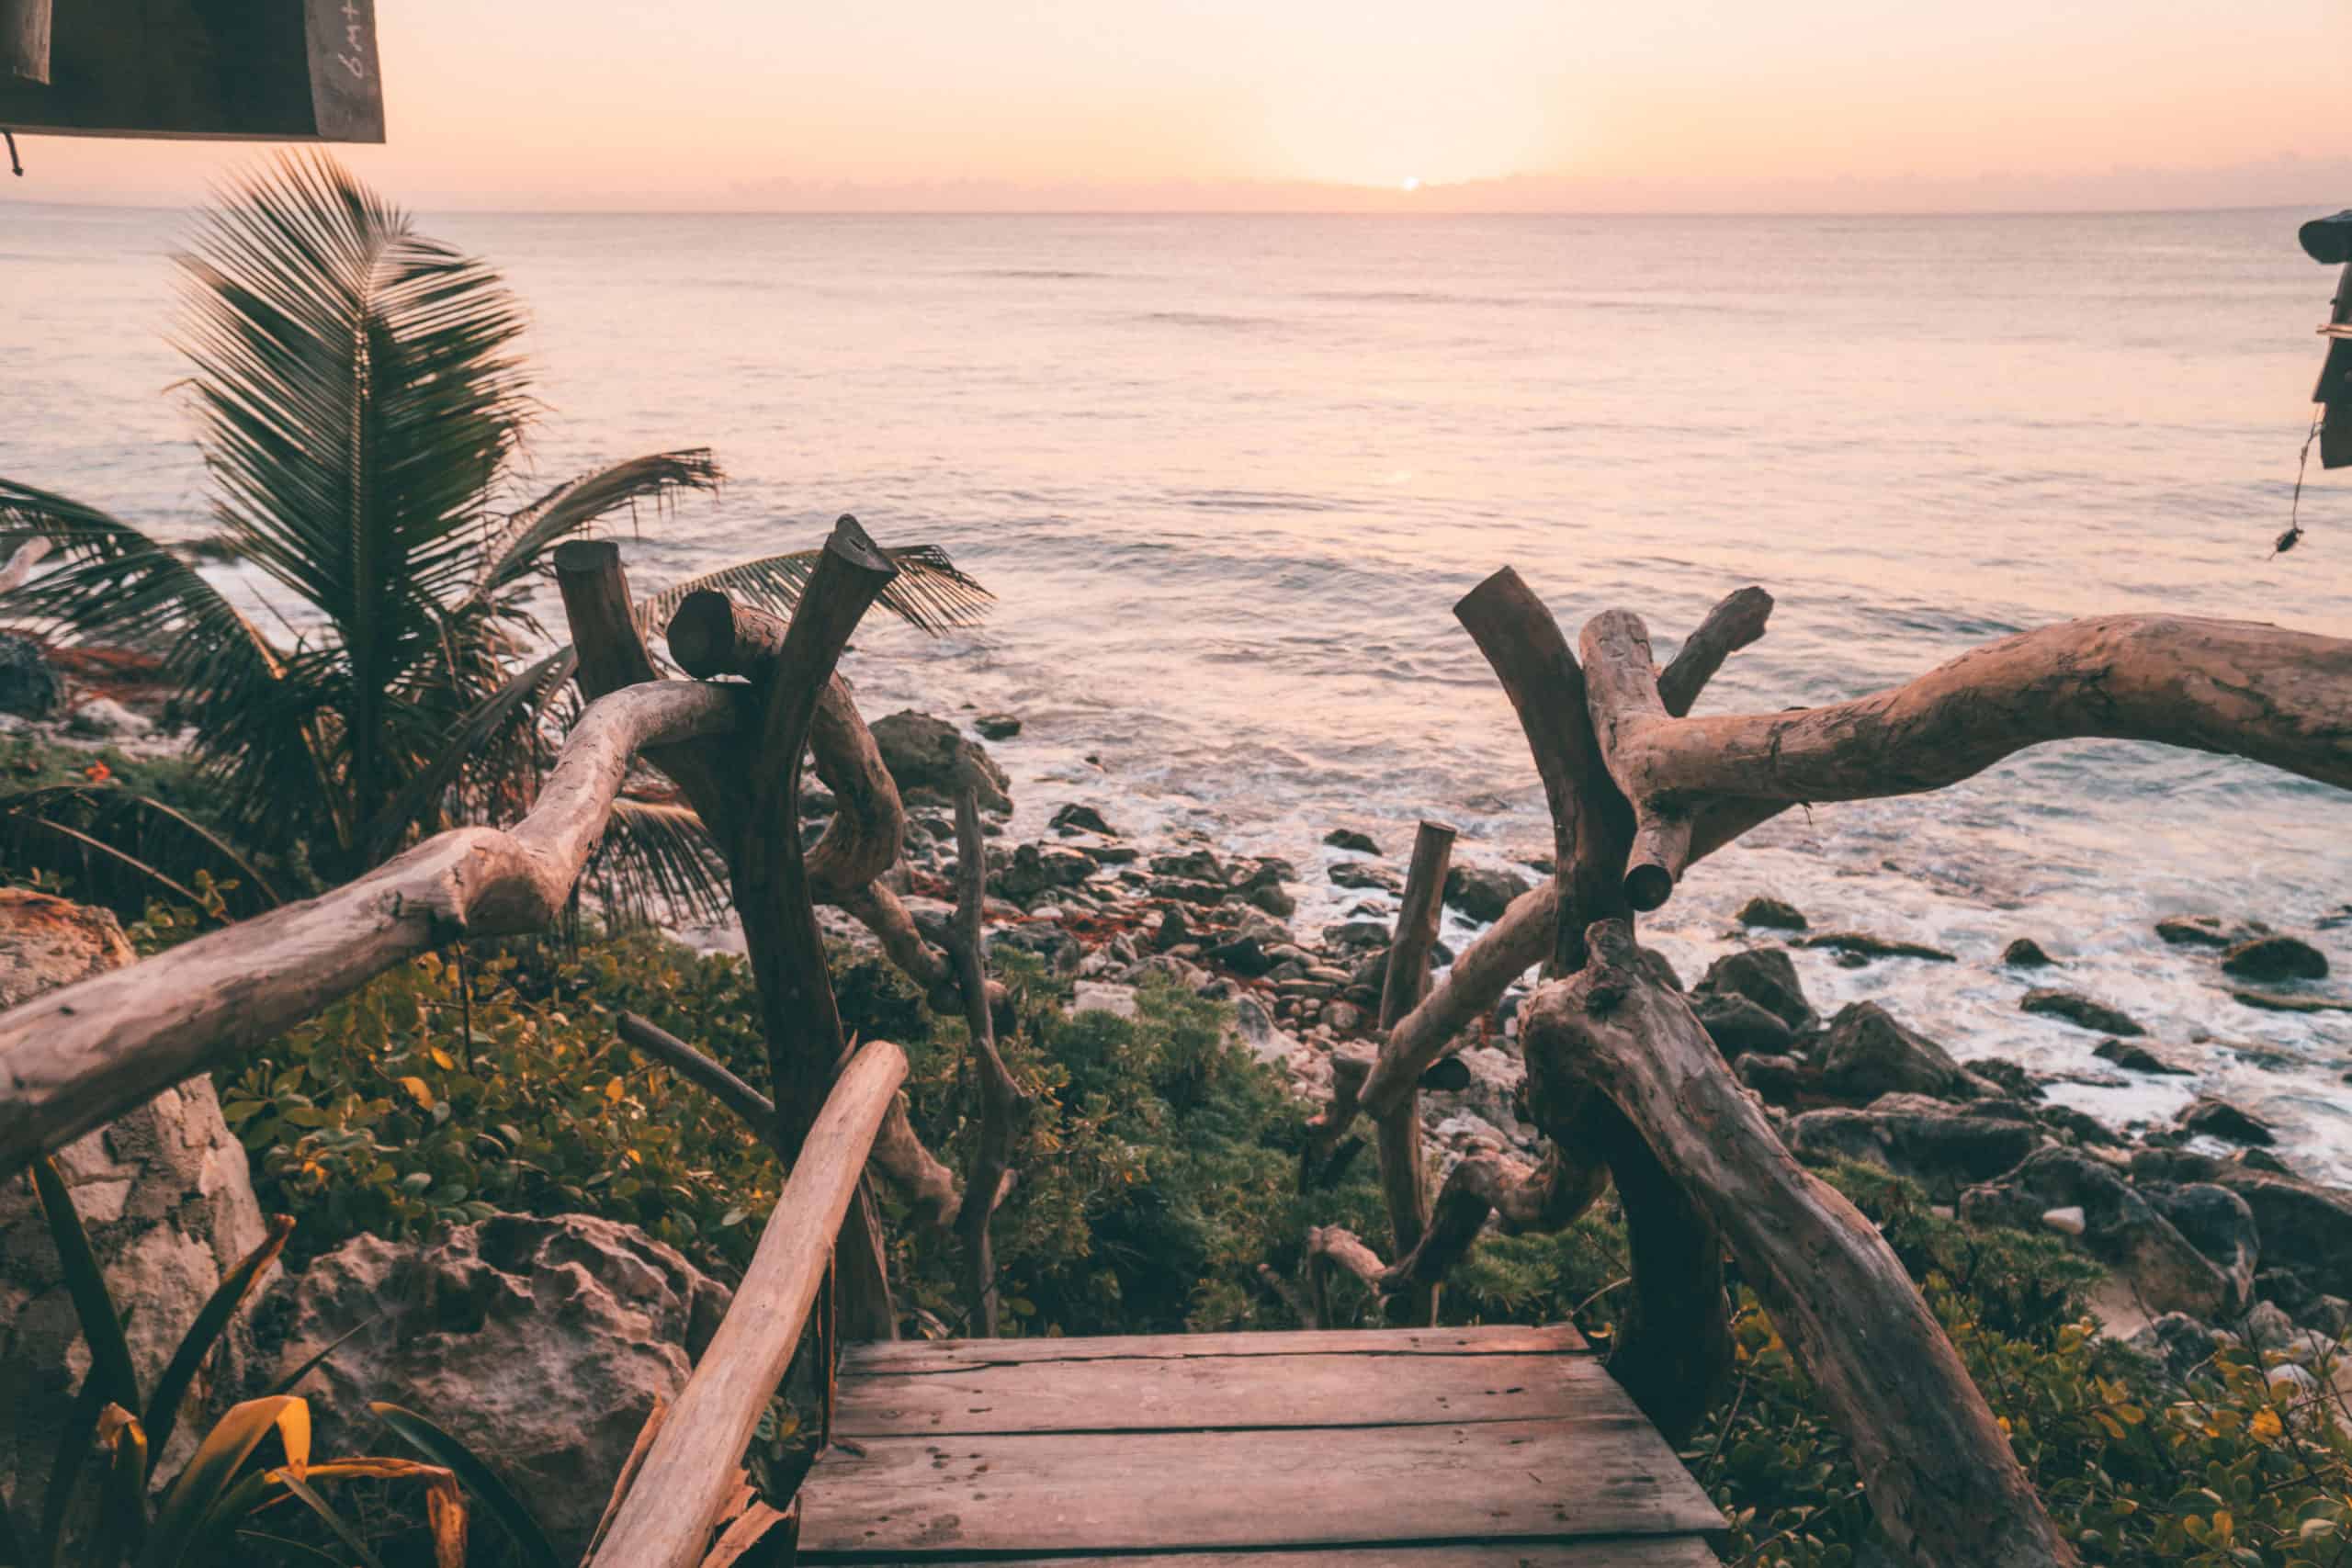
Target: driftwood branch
<point>1942,1478</point>
<point>1731,625</point>
<point>73,1058</point>
<point>1548,1196</point>
<point>691,1471</point>
<point>29,553</point>
<point>1398,1129</point>
<point>991,1175</point>
<point>1622,691</point>
<point>899,1151</point>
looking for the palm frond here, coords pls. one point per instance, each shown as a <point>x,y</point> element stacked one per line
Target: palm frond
<point>121,848</point>
<point>579,503</point>
<point>515,705</point>
<point>929,593</point>
<point>658,863</point>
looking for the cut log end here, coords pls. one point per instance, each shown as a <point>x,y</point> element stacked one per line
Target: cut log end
<point>855,546</point>
<point>702,634</point>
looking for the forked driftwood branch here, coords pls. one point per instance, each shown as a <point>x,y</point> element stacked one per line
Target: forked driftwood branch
<point>1398,1129</point>
<point>991,1176</point>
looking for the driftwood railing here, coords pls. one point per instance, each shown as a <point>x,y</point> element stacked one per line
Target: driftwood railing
<point>1622,1080</point>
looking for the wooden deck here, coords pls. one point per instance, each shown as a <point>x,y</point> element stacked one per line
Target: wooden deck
<point>1477,1447</point>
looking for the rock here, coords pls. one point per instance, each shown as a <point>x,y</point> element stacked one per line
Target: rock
<point>1654,964</point>
<point>2178,1343</point>
<point>2275,958</point>
<point>1076,818</point>
<point>2013,1079</point>
<point>2138,1058</point>
<point>2081,1012</point>
<point>1363,875</point>
<point>1775,914</point>
<point>541,1343</point>
<point>1184,890</point>
<point>1349,839</point>
<point>1244,955</point>
<point>104,718</point>
<point>2214,1117</point>
<point>2121,1228</point>
<point>2204,930</point>
<point>1255,1027</point>
<point>2217,1223</point>
<point>997,725</point>
<point>2079,1126</point>
<point>1739,1026</point>
<point>29,686</point>
<point>1039,868</point>
<point>1172,930</point>
<point>1271,898</point>
<point>164,1195</point>
<point>2263,1159</point>
<point>1861,944</point>
<point>2271,1001</point>
<point>1356,936</point>
<point>2068,1221</point>
<point>1780,1079</point>
<point>1344,1018</point>
<point>1191,865</point>
<point>1483,893</point>
<point>1914,1135</point>
<point>1447,1075</point>
<point>1766,976</point>
<point>922,751</point>
<point>2026,953</point>
<point>1045,938</point>
<point>1492,1092</point>
<point>1867,1053</point>
<point>1094,996</point>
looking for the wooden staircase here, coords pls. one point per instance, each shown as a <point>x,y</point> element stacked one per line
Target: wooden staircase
<point>1467,1448</point>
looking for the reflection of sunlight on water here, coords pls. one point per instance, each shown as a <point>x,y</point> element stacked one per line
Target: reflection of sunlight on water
<point>1228,477</point>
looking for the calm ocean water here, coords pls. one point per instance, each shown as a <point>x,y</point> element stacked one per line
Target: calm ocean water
<point>1228,475</point>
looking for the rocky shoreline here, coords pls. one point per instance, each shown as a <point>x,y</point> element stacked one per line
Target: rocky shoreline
<point>2204,1228</point>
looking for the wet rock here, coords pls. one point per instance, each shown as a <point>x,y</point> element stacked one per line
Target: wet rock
<point>2271,1001</point>
<point>1364,875</point>
<point>922,752</point>
<point>997,725</point>
<point>2263,1159</point>
<point>1914,1135</point>
<point>1780,1079</point>
<point>1739,1026</point>
<point>2026,953</point>
<point>2275,958</point>
<point>2081,1012</point>
<point>2079,1126</point>
<point>1074,818</point>
<point>542,1342</point>
<point>1862,944</point>
<point>2217,1222</point>
<point>29,687</point>
<point>2205,930</point>
<point>1483,893</point>
<point>2012,1079</point>
<point>2138,1058</point>
<point>1775,914</point>
<point>1867,1053</point>
<point>2121,1228</point>
<point>2215,1118</point>
<point>103,719</point>
<point>1349,839</point>
<point>1766,976</point>
<point>1039,868</point>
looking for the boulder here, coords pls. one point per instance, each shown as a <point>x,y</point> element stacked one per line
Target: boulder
<point>997,725</point>
<point>1483,893</point>
<point>2178,1344</point>
<point>2219,1119</point>
<point>2081,1012</point>
<point>2217,1222</point>
<point>2013,1079</point>
<point>30,686</point>
<point>1927,1139</point>
<point>1349,839</point>
<point>1039,868</point>
<point>1096,996</point>
<point>1738,1026</point>
<point>103,719</point>
<point>2121,1228</point>
<point>2138,1058</point>
<point>1244,955</point>
<point>540,1343</point>
<point>2275,958</point>
<point>1779,1080</point>
<point>2026,953</point>
<point>1773,914</point>
<point>164,1195</point>
<point>1867,1053</point>
<point>1765,976</point>
<point>922,751</point>
<point>1076,818</point>
<point>2307,1224</point>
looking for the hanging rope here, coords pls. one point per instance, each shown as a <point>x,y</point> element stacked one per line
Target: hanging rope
<point>16,164</point>
<point>2294,534</point>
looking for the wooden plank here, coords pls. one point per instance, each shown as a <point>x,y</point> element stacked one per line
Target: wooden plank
<point>1048,1493</point>
<point>1655,1551</point>
<point>1191,1392</point>
<point>1508,1339</point>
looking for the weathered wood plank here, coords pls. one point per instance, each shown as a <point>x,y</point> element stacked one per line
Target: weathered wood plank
<point>1658,1551</point>
<point>1147,1394</point>
<point>1051,1493</point>
<point>1508,1339</point>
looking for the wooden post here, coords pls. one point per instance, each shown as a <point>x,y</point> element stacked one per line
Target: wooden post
<point>692,1469</point>
<point>1398,1129</point>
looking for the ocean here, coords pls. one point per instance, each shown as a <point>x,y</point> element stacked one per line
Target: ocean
<point>1227,476</point>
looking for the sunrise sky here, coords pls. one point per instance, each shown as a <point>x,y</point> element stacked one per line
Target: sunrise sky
<point>1570,104</point>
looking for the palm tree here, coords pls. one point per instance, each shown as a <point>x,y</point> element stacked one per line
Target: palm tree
<point>361,404</point>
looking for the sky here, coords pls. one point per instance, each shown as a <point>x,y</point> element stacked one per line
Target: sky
<point>1328,104</point>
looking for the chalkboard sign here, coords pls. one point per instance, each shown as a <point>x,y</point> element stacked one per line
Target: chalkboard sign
<point>270,70</point>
